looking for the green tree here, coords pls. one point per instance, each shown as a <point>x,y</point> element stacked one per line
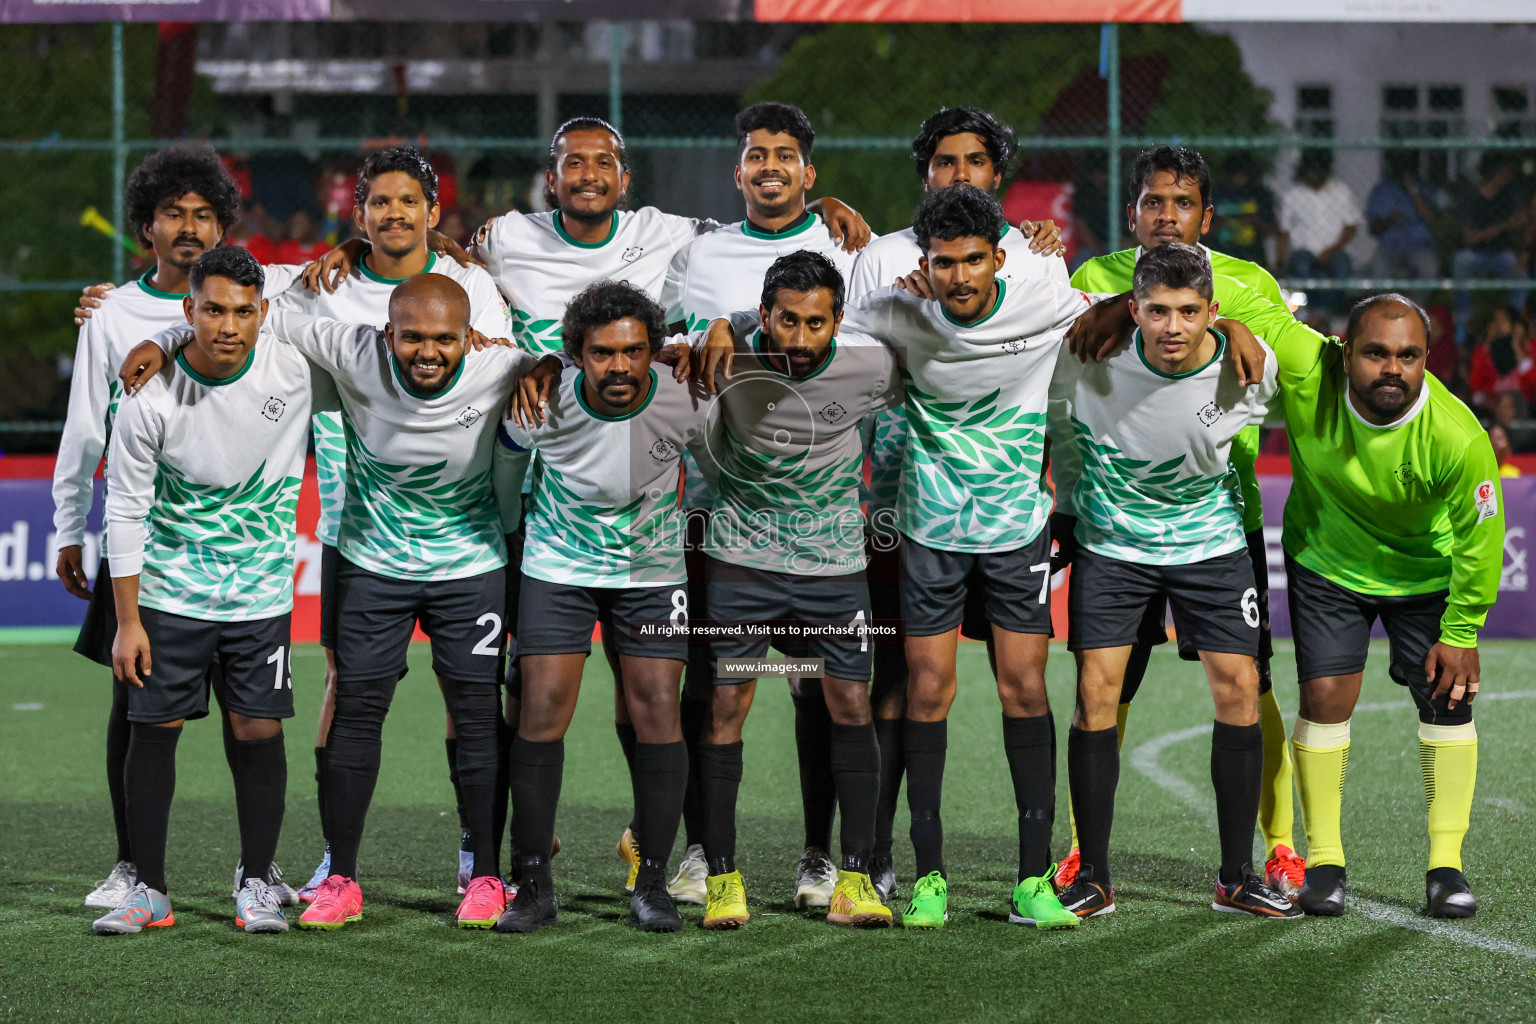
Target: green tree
<point>859,81</point>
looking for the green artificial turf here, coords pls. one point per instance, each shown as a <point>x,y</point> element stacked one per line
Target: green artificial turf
<point>1164,956</point>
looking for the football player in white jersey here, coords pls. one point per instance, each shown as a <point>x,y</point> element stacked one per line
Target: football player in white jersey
<point>1143,444</point>
<point>721,273</point>
<point>604,542</point>
<point>955,146</point>
<point>395,208</point>
<point>977,363</point>
<point>785,552</point>
<point>203,483</point>
<point>180,202</point>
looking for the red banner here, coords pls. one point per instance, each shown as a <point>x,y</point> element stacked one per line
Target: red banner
<point>969,10</point>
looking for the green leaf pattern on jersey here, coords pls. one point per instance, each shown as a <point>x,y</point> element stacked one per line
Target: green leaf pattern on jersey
<point>1129,508</point>
<point>971,477</point>
<point>330,473</point>
<point>583,544</point>
<point>220,552</point>
<point>826,522</point>
<point>887,450</point>
<point>408,522</point>
<point>541,337</point>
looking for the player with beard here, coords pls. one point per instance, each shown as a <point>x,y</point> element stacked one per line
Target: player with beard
<point>1394,515</point>
<point>785,547</point>
<point>956,146</point>
<point>396,207</point>
<point>180,203</point>
<point>1171,201</point>
<point>421,541</point>
<point>604,541</point>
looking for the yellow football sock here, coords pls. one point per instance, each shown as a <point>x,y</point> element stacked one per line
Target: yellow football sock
<point>1448,759</point>
<point>1277,813</point>
<point>1322,758</point>
<point>1120,715</point>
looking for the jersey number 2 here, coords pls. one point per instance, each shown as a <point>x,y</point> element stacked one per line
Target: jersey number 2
<point>491,643</point>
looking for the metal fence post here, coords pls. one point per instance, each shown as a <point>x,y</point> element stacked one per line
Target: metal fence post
<point>1109,70</point>
<point>119,153</point>
<point>616,74</point>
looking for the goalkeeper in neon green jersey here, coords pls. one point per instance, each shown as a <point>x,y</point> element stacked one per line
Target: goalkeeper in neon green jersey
<point>1171,202</point>
<point>1395,513</point>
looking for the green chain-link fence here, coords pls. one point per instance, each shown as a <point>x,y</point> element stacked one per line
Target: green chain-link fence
<point>294,107</point>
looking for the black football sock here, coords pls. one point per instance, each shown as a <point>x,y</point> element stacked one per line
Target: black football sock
<point>1237,764</point>
<point>926,744</point>
<point>320,786</point>
<point>627,741</point>
<point>1093,773</point>
<point>352,766</point>
<point>504,737</point>
<point>119,732</point>
<point>1029,744</point>
<point>660,777</point>
<point>451,747</point>
<point>893,765</point>
<point>261,787</point>
<point>813,745</point>
<point>719,782</point>
<point>537,772</point>
<point>695,716</point>
<point>149,776</point>
<point>856,767</point>
<point>476,711</point>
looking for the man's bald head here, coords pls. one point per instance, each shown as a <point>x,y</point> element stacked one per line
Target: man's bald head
<point>427,329</point>
<point>1390,305</point>
<point>428,289</point>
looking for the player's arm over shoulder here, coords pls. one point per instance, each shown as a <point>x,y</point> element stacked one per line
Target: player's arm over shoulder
<point>1297,347</point>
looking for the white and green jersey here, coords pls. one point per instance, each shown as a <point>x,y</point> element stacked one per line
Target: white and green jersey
<point>419,504</point>
<point>1143,458</point>
<point>203,486</point>
<point>128,316</point>
<point>363,298</point>
<point>879,265</point>
<point>976,396</point>
<point>604,511</point>
<point>540,268</point>
<point>790,457</point>
<point>722,273</point>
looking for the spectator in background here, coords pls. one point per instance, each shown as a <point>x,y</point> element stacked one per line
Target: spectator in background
<point>303,242</point>
<point>1492,219</point>
<point>1245,210</point>
<point>1400,213</point>
<point>1510,412</point>
<point>1317,220</point>
<point>1444,356</point>
<point>1502,361</point>
<point>1498,437</point>
<point>256,233</point>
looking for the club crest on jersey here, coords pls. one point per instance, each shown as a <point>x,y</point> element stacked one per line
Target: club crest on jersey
<point>663,450</point>
<point>1487,498</point>
<point>273,409</point>
<point>834,413</point>
<point>1013,346</point>
<point>633,253</point>
<point>1209,413</point>
<point>1404,473</point>
<point>468,418</point>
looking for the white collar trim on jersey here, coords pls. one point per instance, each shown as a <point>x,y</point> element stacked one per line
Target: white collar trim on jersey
<point>1403,420</point>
